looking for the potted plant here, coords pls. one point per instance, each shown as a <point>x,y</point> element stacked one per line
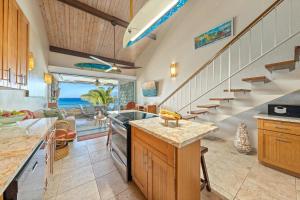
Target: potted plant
<point>100,97</point>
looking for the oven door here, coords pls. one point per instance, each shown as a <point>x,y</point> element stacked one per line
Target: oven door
<point>119,149</point>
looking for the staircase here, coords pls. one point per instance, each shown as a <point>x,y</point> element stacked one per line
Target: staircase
<point>257,66</point>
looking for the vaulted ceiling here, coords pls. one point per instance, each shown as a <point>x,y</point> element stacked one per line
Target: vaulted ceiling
<point>71,28</point>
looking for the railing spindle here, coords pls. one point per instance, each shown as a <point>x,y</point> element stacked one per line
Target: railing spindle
<point>206,76</point>
<point>250,45</point>
<point>220,68</point>
<point>190,97</point>
<point>261,37</point>
<point>290,17</point>
<point>275,26</point>
<point>213,64</point>
<point>229,68</point>
<point>239,55</point>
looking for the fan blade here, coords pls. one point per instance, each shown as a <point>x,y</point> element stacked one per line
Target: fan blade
<point>101,61</point>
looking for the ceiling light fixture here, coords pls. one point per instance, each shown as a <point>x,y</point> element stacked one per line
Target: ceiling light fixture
<point>150,17</point>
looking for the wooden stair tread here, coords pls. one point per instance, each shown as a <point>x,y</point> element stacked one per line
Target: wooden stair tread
<point>256,79</point>
<point>290,64</point>
<point>237,90</point>
<point>221,99</point>
<point>198,112</point>
<point>190,116</point>
<point>209,106</point>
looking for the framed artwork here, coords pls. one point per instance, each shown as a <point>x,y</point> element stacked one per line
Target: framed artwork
<point>217,33</point>
<point>149,89</point>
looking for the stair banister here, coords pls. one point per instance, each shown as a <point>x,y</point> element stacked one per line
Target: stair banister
<point>227,46</point>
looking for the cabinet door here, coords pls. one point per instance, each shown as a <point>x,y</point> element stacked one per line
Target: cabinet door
<point>23,26</point>
<point>139,165</point>
<point>10,45</point>
<point>280,149</point>
<point>161,179</point>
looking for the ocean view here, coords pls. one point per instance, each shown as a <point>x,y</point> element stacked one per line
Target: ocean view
<point>71,103</point>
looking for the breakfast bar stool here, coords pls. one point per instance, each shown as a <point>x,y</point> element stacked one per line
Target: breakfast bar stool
<point>205,180</point>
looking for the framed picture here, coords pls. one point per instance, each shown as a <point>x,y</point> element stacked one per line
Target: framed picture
<point>217,33</point>
<point>149,89</point>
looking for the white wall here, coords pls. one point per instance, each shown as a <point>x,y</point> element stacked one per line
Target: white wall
<point>38,45</point>
<point>176,44</point>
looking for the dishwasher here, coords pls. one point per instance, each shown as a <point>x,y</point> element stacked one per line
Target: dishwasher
<point>29,184</point>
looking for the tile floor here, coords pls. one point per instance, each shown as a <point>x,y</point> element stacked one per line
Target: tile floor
<point>89,174</point>
<point>242,177</point>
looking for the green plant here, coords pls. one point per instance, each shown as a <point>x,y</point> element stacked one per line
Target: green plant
<point>99,96</point>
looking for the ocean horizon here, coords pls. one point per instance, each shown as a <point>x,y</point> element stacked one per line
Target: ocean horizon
<point>72,103</point>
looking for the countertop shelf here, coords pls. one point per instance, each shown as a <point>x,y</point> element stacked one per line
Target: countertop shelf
<point>185,134</point>
<point>17,144</point>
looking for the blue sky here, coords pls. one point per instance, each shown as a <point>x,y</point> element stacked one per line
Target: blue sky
<point>71,90</point>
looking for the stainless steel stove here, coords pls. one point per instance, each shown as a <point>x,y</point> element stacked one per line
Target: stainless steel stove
<point>121,139</point>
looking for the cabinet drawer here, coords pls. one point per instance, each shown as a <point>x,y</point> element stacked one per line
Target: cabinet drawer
<point>283,127</point>
<point>161,148</point>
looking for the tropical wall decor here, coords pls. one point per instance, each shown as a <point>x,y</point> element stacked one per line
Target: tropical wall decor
<point>217,33</point>
<point>149,89</point>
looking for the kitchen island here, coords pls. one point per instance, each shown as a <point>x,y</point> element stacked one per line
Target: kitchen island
<point>166,160</point>
<point>17,144</point>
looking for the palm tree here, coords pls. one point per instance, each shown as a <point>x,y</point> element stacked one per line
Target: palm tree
<point>99,96</point>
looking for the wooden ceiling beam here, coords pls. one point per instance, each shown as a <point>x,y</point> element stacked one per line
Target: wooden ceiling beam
<point>86,55</point>
<point>93,11</point>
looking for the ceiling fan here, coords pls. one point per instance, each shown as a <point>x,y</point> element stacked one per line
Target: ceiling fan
<point>113,66</point>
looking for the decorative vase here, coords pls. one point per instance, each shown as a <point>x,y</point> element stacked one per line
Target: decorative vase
<point>241,141</point>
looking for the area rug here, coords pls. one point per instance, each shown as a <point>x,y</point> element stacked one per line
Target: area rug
<point>87,129</point>
<point>91,136</point>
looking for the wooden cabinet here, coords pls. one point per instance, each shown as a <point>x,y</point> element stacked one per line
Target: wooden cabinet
<point>162,171</point>
<point>23,51</point>
<point>161,178</point>
<point>139,161</point>
<point>13,44</point>
<point>10,45</point>
<point>279,145</point>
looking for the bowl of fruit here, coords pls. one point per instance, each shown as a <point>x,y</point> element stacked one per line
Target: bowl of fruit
<point>7,117</point>
<point>169,116</point>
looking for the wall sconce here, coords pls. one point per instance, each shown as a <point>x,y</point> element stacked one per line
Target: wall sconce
<point>48,78</point>
<point>173,71</point>
<point>31,63</point>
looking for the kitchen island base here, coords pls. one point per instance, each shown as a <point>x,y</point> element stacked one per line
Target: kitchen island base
<point>164,171</point>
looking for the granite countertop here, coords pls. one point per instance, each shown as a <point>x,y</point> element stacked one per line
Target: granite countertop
<point>187,132</point>
<point>17,143</point>
<point>277,118</point>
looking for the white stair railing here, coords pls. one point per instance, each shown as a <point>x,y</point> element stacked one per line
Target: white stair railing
<point>252,44</point>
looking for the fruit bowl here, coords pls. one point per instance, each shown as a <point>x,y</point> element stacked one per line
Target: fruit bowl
<point>11,119</point>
